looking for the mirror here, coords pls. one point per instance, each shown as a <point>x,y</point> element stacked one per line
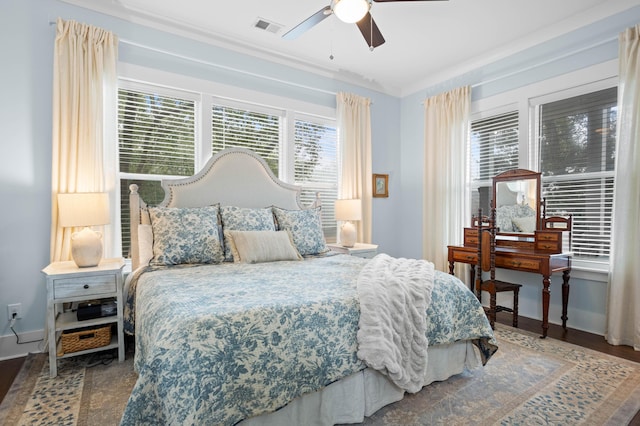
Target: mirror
<point>517,201</point>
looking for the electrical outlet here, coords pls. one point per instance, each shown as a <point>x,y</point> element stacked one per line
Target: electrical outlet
<point>15,308</point>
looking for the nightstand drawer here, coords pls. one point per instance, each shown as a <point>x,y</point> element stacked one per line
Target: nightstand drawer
<point>365,254</point>
<point>84,286</point>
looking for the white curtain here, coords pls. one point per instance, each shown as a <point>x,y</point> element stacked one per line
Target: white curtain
<point>84,81</point>
<point>623,310</point>
<point>446,195</point>
<point>354,130</point>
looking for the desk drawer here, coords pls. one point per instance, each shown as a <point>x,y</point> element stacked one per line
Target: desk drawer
<point>549,241</point>
<point>84,286</point>
<point>470,237</point>
<point>465,257</point>
<point>551,246</point>
<point>519,263</point>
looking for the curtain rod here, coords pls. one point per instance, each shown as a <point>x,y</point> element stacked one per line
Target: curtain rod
<point>216,65</point>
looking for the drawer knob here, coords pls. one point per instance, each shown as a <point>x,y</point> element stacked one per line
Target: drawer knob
<point>86,286</point>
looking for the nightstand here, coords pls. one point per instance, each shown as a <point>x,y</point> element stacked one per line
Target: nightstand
<point>68,283</point>
<point>359,249</point>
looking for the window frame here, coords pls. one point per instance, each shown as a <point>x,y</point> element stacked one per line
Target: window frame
<point>206,93</point>
<point>526,99</point>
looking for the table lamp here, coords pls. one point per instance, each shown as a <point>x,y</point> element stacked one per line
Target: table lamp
<point>84,209</point>
<point>348,211</point>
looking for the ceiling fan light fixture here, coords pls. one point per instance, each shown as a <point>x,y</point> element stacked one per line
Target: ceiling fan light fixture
<point>350,11</point>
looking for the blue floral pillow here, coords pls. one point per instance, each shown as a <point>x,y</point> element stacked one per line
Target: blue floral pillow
<point>244,219</point>
<point>306,228</point>
<point>185,235</point>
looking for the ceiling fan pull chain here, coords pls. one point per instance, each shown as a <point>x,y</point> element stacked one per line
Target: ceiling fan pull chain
<point>331,43</point>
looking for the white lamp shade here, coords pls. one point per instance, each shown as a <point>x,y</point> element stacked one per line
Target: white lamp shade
<point>83,209</point>
<point>348,210</point>
<point>350,11</point>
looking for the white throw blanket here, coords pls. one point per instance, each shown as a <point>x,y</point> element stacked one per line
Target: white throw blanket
<point>394,296</point>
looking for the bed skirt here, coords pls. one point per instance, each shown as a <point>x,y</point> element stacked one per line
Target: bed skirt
<point>355,397</point>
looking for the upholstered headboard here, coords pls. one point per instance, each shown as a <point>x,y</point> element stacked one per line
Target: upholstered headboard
<point>233,177</point>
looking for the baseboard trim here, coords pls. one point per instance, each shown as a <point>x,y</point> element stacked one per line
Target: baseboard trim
<point>9,348</point>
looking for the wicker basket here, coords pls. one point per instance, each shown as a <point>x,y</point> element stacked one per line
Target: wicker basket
<point>83,339</point>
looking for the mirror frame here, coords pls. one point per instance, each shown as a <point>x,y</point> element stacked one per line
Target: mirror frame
<point>515,175</point>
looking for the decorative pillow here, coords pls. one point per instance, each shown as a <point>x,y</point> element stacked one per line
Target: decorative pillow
<point>261,246</point>
<point>244,219</point>
<point>185,235</point>
<point>503,220</point>
<point>306,229</point>
<point>524,224</point>
<point>506,214</point>
<point>145,244</point>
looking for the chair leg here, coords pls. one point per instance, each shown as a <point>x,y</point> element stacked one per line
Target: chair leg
<point>515,307</point>
<point>492,309</point>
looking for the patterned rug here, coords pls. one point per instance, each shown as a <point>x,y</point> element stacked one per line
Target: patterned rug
<point>529,381</point>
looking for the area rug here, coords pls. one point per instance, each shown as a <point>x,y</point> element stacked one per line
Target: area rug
<point>529,381</point>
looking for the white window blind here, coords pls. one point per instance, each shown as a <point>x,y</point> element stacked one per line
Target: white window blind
<point>316,167</point>
<point>155,134</point>
<point>576,141</point>
<point>241,128</point>
<point>493,149</point>
<point>494,145</point>
<point>156,138</point>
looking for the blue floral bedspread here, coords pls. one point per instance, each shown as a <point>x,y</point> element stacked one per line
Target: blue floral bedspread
<point>216,344</point>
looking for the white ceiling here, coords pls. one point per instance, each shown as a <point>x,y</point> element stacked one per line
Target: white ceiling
<point>426,42</point>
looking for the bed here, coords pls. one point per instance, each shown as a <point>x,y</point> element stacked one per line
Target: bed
<point>242,316</point>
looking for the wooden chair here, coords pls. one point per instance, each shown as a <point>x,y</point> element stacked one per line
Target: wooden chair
<point>487,263</point>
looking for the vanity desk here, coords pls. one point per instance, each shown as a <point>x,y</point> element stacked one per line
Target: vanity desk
<point>538,244</point>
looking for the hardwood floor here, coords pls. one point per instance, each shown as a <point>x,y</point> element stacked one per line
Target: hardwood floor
<point>10,368</point>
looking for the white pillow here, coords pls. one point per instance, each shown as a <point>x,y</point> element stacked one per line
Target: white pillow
<point>261,246</point>
<point>145,244</point>
<point>524,224</point>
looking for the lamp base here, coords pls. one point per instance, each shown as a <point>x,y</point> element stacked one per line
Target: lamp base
<point>348,234</point>
<point>86,248</point>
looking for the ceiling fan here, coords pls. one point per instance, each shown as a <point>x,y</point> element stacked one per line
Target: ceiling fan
<point>349,11</point>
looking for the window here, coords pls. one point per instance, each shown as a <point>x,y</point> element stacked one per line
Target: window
<point>493,150</point>
<point>164,133</point>
<point>156,139</point>
<point>316,166</point>
<point>572,142</point>
<point>576,143</point>
<point>241,128</point>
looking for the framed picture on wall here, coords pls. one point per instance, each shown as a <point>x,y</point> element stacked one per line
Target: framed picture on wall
<point>380,185</point>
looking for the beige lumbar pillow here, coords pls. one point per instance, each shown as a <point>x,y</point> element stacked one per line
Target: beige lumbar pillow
<point>261,246</point>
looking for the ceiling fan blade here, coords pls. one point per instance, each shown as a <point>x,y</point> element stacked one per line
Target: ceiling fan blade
<point>373,36</point>
<point>307,24</point>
